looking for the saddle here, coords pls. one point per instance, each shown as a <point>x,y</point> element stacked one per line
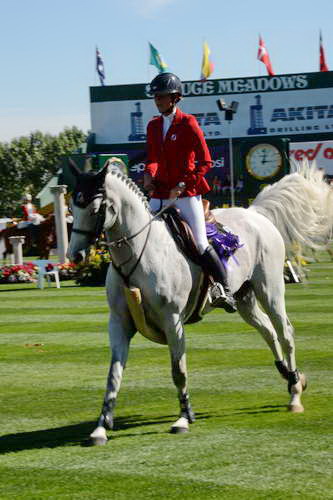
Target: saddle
<point>184,239</point>
<point>182,233</point>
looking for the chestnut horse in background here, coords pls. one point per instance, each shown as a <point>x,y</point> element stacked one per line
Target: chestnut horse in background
<point>39,239</point>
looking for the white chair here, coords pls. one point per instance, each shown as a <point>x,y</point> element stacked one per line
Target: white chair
<point>44,274</point>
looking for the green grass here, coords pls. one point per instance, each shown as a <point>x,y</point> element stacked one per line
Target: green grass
<point>54,360</point>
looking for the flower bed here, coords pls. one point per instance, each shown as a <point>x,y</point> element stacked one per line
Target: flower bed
<point>26,273</point>
<point>93,270</point>
<point>67,271</point>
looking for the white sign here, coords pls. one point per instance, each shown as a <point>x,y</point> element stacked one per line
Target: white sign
<point>285,113</point>
<point>321,152</point>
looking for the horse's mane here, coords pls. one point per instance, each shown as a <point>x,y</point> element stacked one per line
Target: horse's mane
<point>115,172</point>
<point>300,205</point>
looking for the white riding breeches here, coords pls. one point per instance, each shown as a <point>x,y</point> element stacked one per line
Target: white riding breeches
<point>192,212</point>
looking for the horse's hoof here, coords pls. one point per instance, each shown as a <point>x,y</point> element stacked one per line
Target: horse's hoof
<point>98,441</point>
<point>296,408</point>
<point>180,427</point>
<point>178,430</point>
<point>98,437</point>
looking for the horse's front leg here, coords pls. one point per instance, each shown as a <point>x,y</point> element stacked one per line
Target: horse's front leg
<point>176,343</point>
<point>121,332</point>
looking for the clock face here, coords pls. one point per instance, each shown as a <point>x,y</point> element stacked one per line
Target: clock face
<point>263,161</point>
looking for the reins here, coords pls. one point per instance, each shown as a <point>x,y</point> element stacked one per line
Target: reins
<point>127,276</point>
<point>123,240</point>
<point>126,239</point>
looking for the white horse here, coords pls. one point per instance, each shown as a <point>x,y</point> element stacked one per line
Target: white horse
<point>147,264</point>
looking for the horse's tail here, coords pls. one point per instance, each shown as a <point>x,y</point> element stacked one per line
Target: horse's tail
<point>300,205</point>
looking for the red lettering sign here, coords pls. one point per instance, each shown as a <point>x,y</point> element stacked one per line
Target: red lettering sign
<point>328,153</point>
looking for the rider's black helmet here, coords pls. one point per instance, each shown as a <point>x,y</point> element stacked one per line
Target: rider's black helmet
<point>166,83</point>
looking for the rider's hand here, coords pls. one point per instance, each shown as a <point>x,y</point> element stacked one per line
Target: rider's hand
<point>148,184</point>
<point>177,191</point>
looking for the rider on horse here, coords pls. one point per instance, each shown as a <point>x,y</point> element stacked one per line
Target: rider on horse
<point>30,214</point>
<point>178,159</point>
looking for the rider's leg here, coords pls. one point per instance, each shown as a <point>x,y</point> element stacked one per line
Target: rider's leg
<point>221,297</point>
<point>191,209</point>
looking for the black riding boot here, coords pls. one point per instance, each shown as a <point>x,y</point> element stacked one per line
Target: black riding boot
<point>220,292</point>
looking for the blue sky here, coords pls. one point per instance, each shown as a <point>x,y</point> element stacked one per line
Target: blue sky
<point>48,48</point>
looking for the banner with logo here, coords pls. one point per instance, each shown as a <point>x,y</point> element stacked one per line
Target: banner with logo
<point>284,105</point>
<point>319,151</point>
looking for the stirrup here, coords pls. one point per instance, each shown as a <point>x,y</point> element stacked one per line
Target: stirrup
<point>219,298</point>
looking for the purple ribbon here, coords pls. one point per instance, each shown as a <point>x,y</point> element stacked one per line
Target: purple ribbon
<point>225,244</point>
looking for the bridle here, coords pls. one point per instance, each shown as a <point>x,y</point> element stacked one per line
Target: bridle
<point>124,240</point>
<point>95,233</point>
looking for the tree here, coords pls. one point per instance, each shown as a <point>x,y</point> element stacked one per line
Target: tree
<point>28,163</point>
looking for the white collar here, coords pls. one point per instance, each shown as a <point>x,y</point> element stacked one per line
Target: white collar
<point>171,116</point>
<point>167,121</point>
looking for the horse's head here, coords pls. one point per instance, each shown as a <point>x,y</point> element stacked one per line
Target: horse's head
<point>87,207</point>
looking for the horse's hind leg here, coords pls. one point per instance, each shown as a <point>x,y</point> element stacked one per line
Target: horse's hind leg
<point>250,311</point>
<point>271,297</point>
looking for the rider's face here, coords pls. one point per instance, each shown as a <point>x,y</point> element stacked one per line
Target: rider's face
<point>164,103</point>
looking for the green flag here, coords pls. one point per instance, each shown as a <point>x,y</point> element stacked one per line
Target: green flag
<point>156,59</point>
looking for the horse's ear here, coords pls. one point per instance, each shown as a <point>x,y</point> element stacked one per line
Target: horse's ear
<point>100,177</point>
<point>73,168</point>
<point>87,165</point>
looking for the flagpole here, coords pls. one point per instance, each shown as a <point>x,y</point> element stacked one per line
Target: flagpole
<point>230,110</point>
<point>231,166</point>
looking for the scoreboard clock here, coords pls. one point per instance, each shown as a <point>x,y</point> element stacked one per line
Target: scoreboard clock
<point>264,161</point>
<point>258,161</point>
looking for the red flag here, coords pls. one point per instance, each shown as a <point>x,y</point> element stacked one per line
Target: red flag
<point>264,57</point>
<point>322,61</point>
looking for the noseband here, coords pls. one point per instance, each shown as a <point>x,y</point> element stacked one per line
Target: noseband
<point>95,233</point>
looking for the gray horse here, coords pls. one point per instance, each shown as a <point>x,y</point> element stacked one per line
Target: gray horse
<point>153,288</point>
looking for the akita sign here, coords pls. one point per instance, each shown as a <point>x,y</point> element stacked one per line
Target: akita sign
<point>281,105</point>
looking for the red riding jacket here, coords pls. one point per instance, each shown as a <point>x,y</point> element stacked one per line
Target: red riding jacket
<point>28,209</point>
<point>183,156</point>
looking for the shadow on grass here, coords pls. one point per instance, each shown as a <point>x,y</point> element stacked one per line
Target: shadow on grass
<point>5,290</point>
<point>261,410</point>
<point>77,434</point>
<point>69,435</point>
<point>264,408</point>
<point>35,288</point>
<point>254,410</point>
